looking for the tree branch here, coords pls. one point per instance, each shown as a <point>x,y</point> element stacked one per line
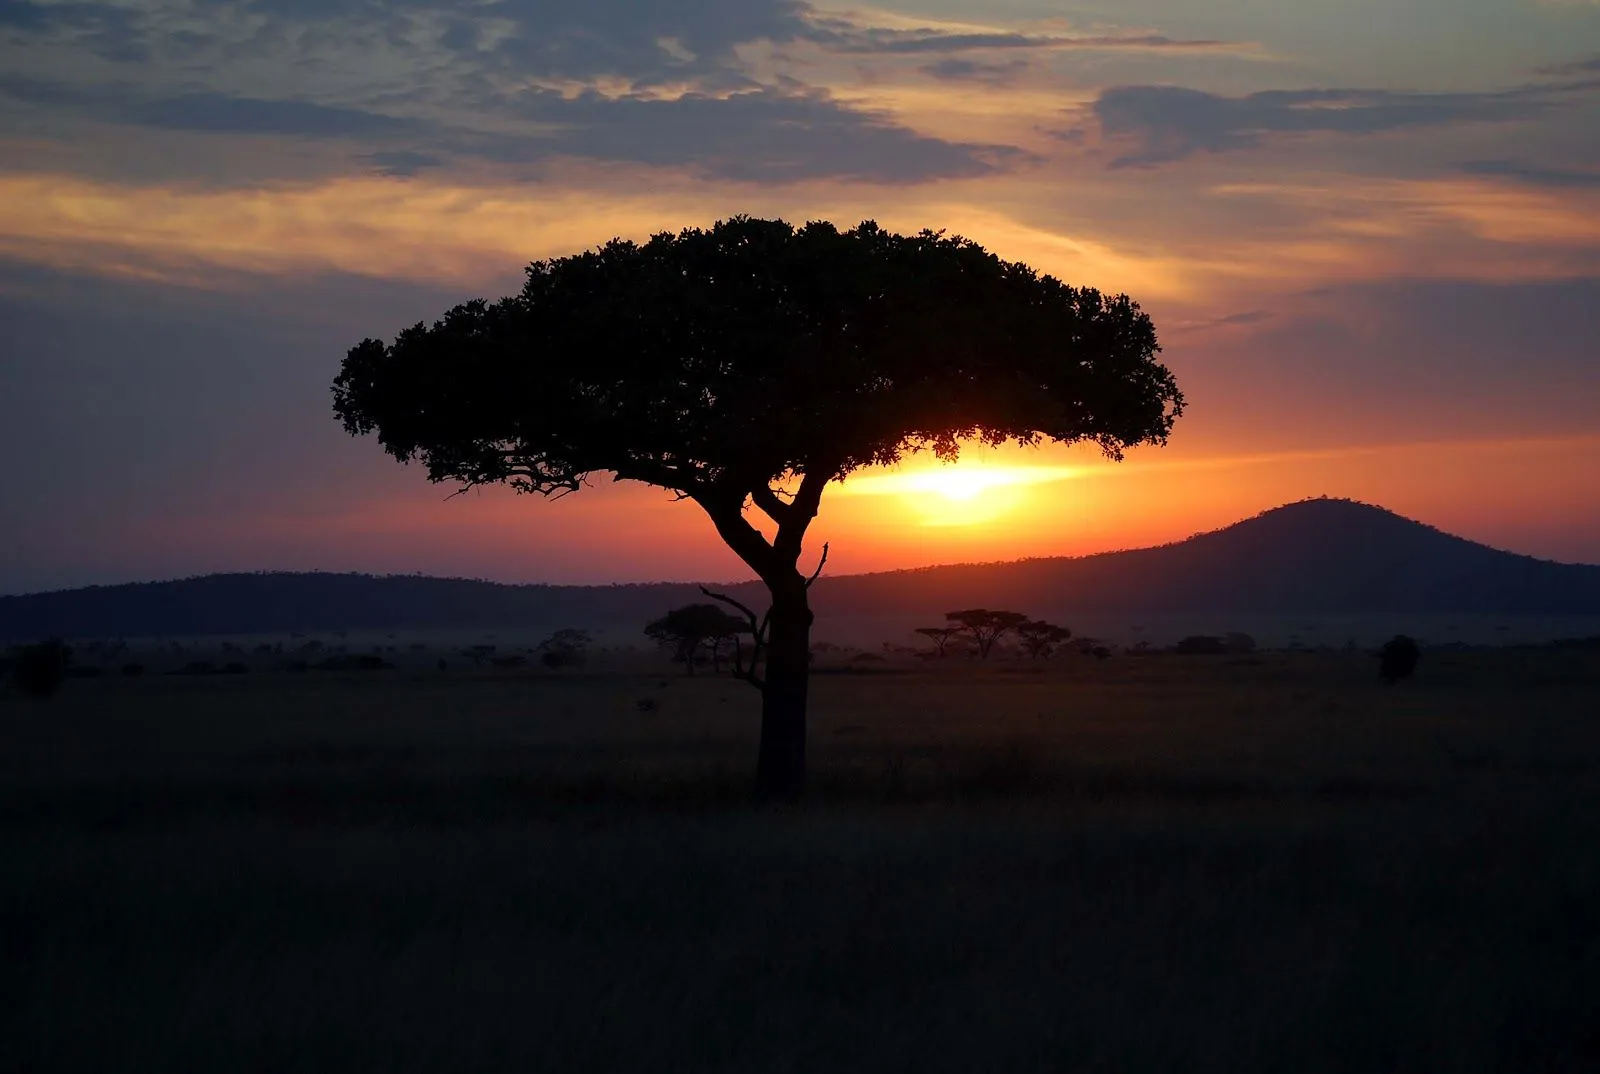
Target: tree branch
<point>771,505</point>
<point>792,528</point>
<point>735,530</point>
<point>823,562</point>
<point>758,635</point>
<point>730,602</point>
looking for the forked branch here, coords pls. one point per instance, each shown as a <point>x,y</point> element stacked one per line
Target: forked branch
<point>821,563</point>
<point>758,634</point>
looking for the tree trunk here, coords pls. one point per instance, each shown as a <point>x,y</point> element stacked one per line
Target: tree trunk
<point>781,764</point>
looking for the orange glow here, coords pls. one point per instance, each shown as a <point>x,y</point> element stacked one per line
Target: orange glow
<point>972,492</point>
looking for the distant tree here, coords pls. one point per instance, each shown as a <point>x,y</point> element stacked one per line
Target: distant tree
<point>566,648</point>
<point>38,670</point>
<point>744,368</point>
<point>986,627</point>
<point>1238,642</point>
<point>478,653</point>
<point>1398,658</point>
<point>941,636</point>
<point>687,630</point>
<point>1039,638</point>
<point>1201,645</point>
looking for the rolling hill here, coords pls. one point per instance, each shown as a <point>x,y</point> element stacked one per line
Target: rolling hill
<point>1325,557</point>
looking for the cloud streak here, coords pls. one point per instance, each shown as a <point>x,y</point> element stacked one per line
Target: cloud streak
<point>1163,124</point>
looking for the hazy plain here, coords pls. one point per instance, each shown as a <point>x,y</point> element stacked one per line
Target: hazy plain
<point>1258,863</point>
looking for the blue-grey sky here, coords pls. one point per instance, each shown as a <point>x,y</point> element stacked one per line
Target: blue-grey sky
<point>1369,233</point>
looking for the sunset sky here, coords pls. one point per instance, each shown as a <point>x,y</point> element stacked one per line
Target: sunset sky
<point>1368,233</point>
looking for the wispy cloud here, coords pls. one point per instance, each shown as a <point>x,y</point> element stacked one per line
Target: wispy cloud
<point>1534,175</point>
<point>1161,124</point>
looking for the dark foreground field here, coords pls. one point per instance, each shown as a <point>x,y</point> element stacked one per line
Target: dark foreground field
<point>1158,864</point>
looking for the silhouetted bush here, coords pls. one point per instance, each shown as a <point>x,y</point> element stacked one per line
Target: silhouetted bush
<point>1240,643</point>
<point>566,648</point>
<point>197,667</point>
<point>235,668</point>
<point>355,662</point>
<point>1201,645</point>
<point>556,659</point>
<point>39,669</point>
<point>1398,658</point>
<point>133,671</point>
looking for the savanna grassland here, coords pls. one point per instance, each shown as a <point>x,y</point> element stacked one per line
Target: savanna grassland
<point>1158,863</point>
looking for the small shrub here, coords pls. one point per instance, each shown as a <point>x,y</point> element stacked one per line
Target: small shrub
<point>235,668</point>
<point>555,659</point>
<point>1201,645</point>
<point>1398,658</point>
<point>647,704</point>
<point>133,671</point>
<point>39,669</point>
<point>357,662</point>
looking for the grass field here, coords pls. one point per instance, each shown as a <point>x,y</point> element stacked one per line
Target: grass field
<point>1150,864</point>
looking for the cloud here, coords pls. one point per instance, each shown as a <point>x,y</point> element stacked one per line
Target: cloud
<point>520,83</point>
<point>1232,320</point>
<point>851,38</point>
<point>764,135</point>
<point>759,135</point>
<point>221,112</point>
<point>404,162</point>
<point>108,31</point>
<point>954,69</point>
<point>1588,66</point>
<point>1169,123</point>
<point>1532,175</point>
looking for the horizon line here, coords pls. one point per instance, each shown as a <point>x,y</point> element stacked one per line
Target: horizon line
<point>755,581</point>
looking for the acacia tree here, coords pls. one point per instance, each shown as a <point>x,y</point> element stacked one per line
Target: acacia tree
<point>1040,638</point>
<point>746,366</point>
<point>688,629</point>
<point>941,636</point>
<point>986,627</point>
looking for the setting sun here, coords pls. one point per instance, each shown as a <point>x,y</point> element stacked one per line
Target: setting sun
<point>965,493</point>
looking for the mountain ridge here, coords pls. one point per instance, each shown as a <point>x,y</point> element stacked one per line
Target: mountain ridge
<point>1312,556</point>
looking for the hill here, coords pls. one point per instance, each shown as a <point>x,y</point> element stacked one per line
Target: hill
<point>1331,557</point>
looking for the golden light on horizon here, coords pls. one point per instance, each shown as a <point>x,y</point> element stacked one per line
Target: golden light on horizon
<point>965,493</point>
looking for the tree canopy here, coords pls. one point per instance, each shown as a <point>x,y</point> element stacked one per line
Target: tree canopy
<point>688,629</point>
<point>1040,638</point>
<point>724,363</point>
<point>986,627</point>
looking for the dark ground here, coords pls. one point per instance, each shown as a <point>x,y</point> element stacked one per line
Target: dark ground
<point>1153,864</point>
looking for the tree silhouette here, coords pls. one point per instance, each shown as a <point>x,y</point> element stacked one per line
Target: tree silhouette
<point>744,367</point>
<point>566,648</point>
<point>941,636</point>
<point>1040,638</point>
<point>688,629</point>
<point>986,627</point>
<point>1398,658</point>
